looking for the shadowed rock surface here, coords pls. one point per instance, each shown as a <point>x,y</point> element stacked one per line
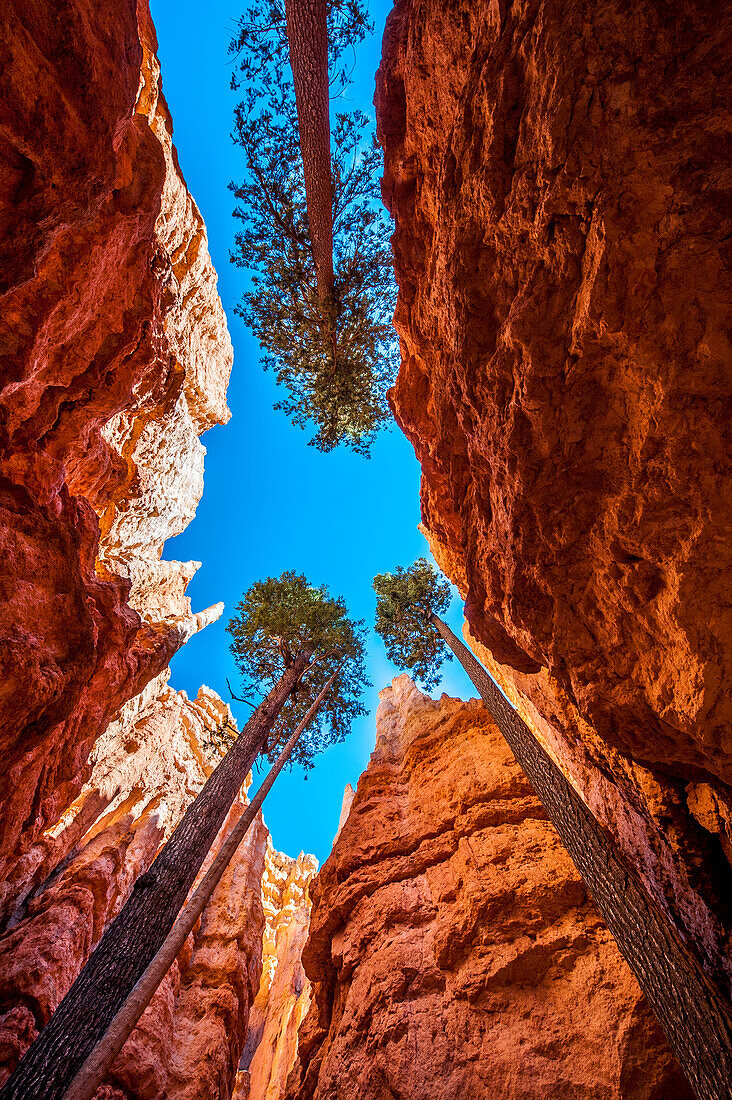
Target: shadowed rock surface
<point>556,173</point>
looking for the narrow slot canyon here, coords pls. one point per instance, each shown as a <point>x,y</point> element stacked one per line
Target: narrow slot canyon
<point>556,179</point>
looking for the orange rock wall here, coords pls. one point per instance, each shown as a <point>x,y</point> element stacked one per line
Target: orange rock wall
<point>114,357</point>
<point>453,950</point>
<point>556,176</point>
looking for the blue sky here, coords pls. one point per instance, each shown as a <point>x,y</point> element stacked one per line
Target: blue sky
<point>270,501</point>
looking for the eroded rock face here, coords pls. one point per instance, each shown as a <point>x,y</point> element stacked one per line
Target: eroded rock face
<point>453,950</point>
<point>149,766</point>
<point>283,997</point>
<point>114,357</point>
<point>553,172</point>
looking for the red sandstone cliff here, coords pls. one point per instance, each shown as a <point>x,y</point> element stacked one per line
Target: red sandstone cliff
<point>453,950</point>
<point>114,357</point>
<point>556,175</point>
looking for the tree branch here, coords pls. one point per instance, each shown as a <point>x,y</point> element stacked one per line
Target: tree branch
<point>238,697</point>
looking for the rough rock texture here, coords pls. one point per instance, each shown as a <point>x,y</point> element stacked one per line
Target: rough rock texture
<point>453,950</point>
<point>114,357</point>
<point>556,173</point>
<point>149,766</point>
<point>283,998</point>
<point>646,814</point>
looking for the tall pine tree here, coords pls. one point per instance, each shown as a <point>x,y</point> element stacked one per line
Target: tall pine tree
<point>334,355</point>
<point>307,37</point>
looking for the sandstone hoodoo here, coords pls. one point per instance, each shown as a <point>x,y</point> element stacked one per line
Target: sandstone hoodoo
<point>283,997</point>
<point>453,950</point>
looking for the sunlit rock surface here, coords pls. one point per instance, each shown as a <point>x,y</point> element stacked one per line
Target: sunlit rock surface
<point>114,357</point>
<point>283,998</point>
<point>556,174</point>
<point>149,766</point>
<point>348,796</point>
<point>453,950</point>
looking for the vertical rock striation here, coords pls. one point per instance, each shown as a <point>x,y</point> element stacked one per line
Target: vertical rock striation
<point>556,175</point>
<point>114,357</point>
<point>453,950</point>
<point>283,997</point>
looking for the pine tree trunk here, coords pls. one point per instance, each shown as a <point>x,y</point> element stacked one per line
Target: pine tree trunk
<point>307,33</point>
<point>695,1014</point>
<point>135,936</point>
<point>96,1067</point>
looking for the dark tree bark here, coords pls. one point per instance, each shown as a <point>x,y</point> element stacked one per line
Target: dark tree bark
<point>695,1014</point>
<point>135,936</point>
<point>307,34</point>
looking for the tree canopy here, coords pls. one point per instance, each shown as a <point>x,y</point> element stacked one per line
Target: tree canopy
<point>404,601</point>
<point>282,618</point>
<point>261,50</point>
<point>334,359</point>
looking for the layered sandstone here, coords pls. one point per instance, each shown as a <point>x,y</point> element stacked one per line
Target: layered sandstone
<point>283,997</point>
<point>115,357</point>
<point>149,766</point>
<point>555,173</point>
<point>453,950</point>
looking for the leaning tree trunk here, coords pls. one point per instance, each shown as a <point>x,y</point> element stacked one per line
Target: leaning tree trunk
<point>307,34</point>
<point>694,1013</point>
<point>95,1068</point>
<point>135,936</point>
